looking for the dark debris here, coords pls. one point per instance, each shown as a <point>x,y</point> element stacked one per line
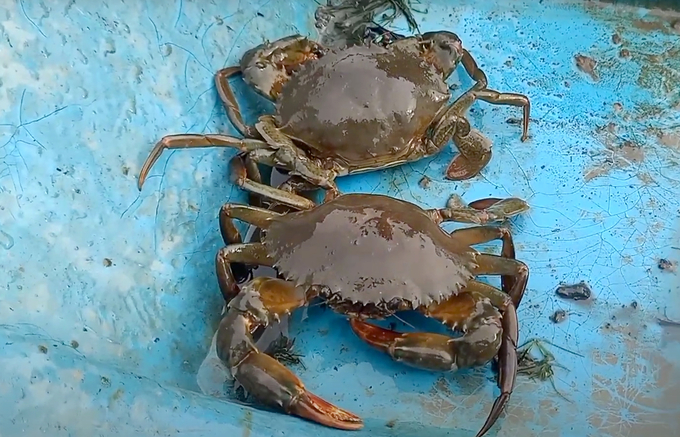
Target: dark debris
<point>579,291</point>
<point>282,350</point>
<point>558,316</point>
<point>667,265</point>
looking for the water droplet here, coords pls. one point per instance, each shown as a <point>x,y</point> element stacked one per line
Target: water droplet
<point>6,240</point>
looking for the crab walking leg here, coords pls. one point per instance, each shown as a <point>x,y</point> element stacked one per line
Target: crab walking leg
<point>473,70</point>
<point>295,185</point>
<point>231,261</point>
<point>239,176</point>
<point>248,171</point>
<point>495,97</point>
<point>514,273</point>
<point>299,185</point>
<point>230,104</point>
<point>190,141</point>
<point>514,278</point>
<point>480,211</point>
<point>253,173</point>
<point>259,303</point>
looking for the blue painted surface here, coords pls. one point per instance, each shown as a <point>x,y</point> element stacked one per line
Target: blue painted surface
<point>87,89</point>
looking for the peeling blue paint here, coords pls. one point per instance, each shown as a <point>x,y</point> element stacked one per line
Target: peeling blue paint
<point>111,300</point>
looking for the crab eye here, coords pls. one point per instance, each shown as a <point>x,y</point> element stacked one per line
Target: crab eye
<point>260,65</point>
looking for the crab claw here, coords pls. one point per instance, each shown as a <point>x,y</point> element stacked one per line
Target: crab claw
<point>475,154</point>
<point>498,209</point>
<point>258,304</point>
<point>422,350</point>
<point>462,168</point>
<point>271,382</point>
<point>488,336</point>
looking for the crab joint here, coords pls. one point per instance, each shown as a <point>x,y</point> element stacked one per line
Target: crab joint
<point>434,352</point>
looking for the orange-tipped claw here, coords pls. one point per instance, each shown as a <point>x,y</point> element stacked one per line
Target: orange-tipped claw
<point>273,383</point>
<point>462,168</point>
<point>378,337</point>
<point>422,350</point>
<point>481,204</point>
<point>314,408</point>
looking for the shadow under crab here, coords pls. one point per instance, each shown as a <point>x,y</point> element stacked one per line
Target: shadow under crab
<point>357,251</point>
<point>357,109</point>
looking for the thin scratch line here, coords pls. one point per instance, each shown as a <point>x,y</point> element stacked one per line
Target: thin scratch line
<point>29,19</point>
<point>247,23</point>
<point>155,28</point>
<point>179,13</point>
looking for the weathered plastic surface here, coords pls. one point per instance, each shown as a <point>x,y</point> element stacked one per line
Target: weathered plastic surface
<point>111,300</point>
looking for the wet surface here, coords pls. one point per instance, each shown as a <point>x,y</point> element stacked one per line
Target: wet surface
<point>361,103</point>
<point>73,142</point>
<point>370,249</point>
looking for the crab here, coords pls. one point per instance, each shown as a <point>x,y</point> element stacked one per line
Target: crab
<point>357,109</point>
<point>370,256</point>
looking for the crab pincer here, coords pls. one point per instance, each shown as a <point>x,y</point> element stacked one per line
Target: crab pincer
<point>486,334</point>
<point>260,302</point>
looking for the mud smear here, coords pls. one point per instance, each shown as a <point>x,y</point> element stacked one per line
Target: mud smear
<point>664,6</point>
<point>587,65</point>
<point>635,388</point>
<point>667,138</point>
<point>645,52</point>
<point>617,154</point>
<point>443,403</point>
<point>640,397</point>
<point>659,17</point>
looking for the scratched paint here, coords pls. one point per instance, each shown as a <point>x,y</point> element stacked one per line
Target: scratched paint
<point>111,302</point>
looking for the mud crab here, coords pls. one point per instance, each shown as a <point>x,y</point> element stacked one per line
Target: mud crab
<point>357,109</point>
<point>356,251</point>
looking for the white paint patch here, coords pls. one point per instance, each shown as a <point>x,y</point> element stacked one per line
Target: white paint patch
<point>213,376</point>
<point>123,283</point>
<point>16,34</point>
<point>37,298</point>
<point>88,138</point>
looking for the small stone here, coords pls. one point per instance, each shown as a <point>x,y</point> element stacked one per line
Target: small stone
<point>558,316</point>
<point>580,291</point>
<point>667,265</point>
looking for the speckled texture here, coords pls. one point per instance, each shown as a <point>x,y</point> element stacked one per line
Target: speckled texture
<point>111,300</point>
